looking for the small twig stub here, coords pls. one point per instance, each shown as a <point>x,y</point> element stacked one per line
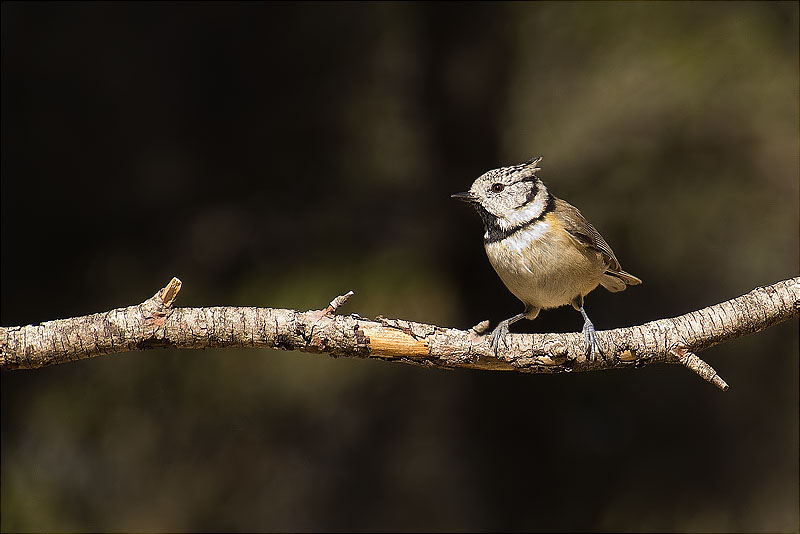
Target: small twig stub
<point>337,302</point>
<point>697,365</point>
<point>170,292</point>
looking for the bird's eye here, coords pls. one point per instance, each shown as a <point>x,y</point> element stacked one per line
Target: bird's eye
<point>498,187</point>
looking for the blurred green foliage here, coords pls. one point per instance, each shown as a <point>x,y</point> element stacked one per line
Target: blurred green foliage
<point>282,154</point>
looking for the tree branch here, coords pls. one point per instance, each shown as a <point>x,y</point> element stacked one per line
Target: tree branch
<point>156,324</point>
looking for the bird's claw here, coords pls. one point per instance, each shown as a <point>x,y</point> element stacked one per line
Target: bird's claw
<point>498,334</point>
<point>593,350</point>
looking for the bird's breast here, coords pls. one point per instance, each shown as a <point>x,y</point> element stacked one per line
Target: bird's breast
<point>542,266</point>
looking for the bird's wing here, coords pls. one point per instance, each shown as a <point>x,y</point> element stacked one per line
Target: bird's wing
<point>585,234</point>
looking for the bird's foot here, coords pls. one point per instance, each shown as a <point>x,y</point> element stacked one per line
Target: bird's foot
<point>593,350</point>
<point>498,334</point>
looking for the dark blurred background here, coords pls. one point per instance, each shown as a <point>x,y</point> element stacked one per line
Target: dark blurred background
<point>281,154</point>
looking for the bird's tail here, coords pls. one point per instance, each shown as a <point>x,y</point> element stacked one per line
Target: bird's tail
<point>618,280</point>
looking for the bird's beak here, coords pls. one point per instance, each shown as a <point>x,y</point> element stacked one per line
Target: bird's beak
<point>466,196</point>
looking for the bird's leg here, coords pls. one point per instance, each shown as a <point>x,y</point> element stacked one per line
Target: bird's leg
<point>500,331</point>
<point>593,350</point>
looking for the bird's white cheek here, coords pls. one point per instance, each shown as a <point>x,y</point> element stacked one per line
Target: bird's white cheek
<point>529,212</point>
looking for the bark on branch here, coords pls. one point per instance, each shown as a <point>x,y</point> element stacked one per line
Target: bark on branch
<point>156,324</point>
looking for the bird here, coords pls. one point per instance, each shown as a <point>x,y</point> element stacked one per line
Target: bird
<point>543,249</point>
